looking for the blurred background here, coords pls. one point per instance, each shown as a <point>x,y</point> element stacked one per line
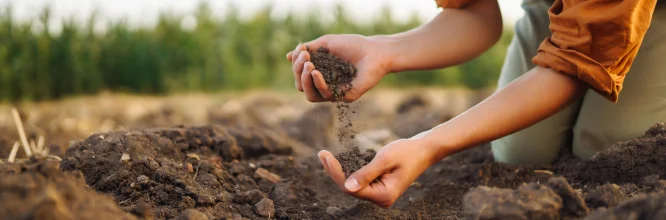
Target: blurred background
<point>73,67</point>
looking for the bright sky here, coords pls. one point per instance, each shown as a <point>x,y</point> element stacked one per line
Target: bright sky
<point>145,12</point>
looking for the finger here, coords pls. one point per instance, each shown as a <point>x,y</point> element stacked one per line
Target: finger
<point>367,174</point>
<point>303,57</point>
<point>289,58</point>
<point>321,85</point>
<point>382,193</point>
<point>297,51</point>
<point>332,167</point>
<point>297,67</point>
<point>311,93</point>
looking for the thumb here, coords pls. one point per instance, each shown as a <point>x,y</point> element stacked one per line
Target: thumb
<point>367,174</point>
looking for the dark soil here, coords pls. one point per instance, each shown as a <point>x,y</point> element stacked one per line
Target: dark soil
<point>38,190</point>
<point>352,160</point>
<point>232,173</point>
<point>338,74</point>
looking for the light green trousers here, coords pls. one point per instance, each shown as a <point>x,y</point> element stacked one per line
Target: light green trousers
<point>593,123</point>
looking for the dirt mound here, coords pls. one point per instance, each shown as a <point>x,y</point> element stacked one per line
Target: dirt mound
<point>530,201</point>
<point>178,169</point>
<point>644,206</point>
<point>221,172</point>
<point>38,190</point>
<point>631,160</point>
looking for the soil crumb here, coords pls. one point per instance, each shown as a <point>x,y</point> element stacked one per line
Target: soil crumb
<point>352,160</point>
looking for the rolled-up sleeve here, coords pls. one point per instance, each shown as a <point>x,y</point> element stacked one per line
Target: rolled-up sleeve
<point>595,40</point>
<point>452,3</point>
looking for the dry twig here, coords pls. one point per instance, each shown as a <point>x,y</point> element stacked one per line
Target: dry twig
<point>19,128</point>
<point>12,154</point>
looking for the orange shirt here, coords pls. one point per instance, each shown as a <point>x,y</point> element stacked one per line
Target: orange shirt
<point>593,40</point>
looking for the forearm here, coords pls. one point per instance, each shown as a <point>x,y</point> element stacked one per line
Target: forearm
<point>453,37</point>
<point>535,96</point>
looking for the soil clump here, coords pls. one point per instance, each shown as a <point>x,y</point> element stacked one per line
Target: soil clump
<point>353,159</point>
<point>338,74</point>
<point>36,189</point>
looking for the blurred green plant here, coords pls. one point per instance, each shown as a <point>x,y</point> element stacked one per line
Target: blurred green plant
<point>229,53</point>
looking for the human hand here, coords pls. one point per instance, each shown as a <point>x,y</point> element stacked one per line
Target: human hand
<point>367,54</point>
<point>396,167</point>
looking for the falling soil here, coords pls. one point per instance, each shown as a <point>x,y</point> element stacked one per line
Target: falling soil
<point>217,172</point>
<point>338,75</point>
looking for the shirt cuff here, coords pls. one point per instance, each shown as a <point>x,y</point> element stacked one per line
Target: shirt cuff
<point>581,66</point>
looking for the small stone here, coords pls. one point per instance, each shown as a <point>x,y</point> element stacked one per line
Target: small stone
<point>262,173</point>
<point>607,195</point>
<point>334,211</point>
<point>205,199</point>
<point>143,179</point>
<point>265,208</point>
<point>192,214</point>
<point>255,196</point>
<point>252,165</point>
<point>193,156</point>
<point>153,164</point>
<point>189,168</point>
<point>125,157</point>
<point>284,193</point>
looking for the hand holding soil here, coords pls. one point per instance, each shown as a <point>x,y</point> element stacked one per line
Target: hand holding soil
<point>382,181</point>
<point>313,68</point>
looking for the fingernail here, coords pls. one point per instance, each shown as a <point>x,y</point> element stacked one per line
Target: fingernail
<point>351,184</point>
<point>325,163</point>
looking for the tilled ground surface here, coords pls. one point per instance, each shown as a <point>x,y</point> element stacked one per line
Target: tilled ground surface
<point>218,172</point>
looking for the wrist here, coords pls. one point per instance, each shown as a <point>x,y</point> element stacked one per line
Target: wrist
<point>388,46</point>
<point>439,144</point>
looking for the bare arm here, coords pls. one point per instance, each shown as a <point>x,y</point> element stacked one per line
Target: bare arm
<point>538,94</point>
<point>453,37</point>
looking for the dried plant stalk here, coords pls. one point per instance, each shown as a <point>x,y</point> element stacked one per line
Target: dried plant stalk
<point>19,128</point>
<point>12,154</point>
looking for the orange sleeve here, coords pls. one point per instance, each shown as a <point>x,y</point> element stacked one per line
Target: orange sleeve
<point>595,40</point>
<point>452,3</point>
